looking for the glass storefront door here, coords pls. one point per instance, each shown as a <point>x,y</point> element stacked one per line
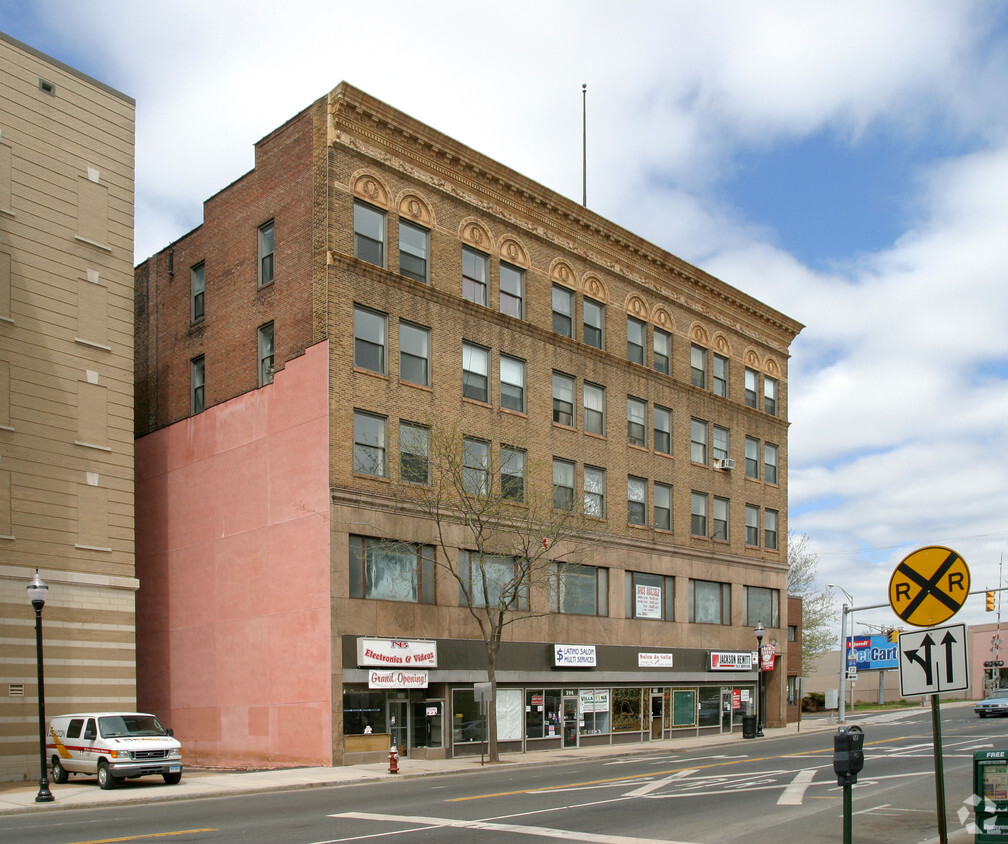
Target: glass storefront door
<point>570,722</point>
<point>397,718</point>
<point>726,710</point>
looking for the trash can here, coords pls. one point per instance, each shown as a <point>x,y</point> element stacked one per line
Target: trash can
<point>748,726</point>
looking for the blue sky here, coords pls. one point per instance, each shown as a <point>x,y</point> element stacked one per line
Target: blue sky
<point>845,163</point>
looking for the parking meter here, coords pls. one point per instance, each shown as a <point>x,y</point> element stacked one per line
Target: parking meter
<point>848,754</point>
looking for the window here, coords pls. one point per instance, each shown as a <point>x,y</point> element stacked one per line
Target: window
<point>636,501</point>
<point>710,602</point>
<point>369,234</point>
<point>414,246</point>
<point>698,441</point>
<point>594,409</point>
<point>414,354</point>
<point>391,571</point>
<point>579,590</point>
<point>594,323</point>
<point>751,381</point>
<point>720,443</point>
<point>563,484</point>
<point>369,444</point>
<point>369,339</point>
<point>512,384</point>
<point>563,311</point>
<point>197,375</point>
<point>698,514</point>
<point>491,580</point>
<point>266,354</point>
<point>563,399</point>
<point>594,492</point>
<point>512,291</point>
<point>475,369</point>
<point>770,530</point>
<point>636,334</point>
<point>414,453</point>
<point>662,348</point>
<point>720,384</point>
<point>698,366</point>
<point>752,525</point>
<point>662,506</point>
<point>649,596</point>
<point>770,395</point>
<point>636,414</point>
<point>792,633</point>
<point>475,270</point>
<point>752,458</point>
<point>475,467</point>
<point>662,429</point>
<point>197,277</point>
<point>512,472</point>
<point>721,519</point>
<point>770,463</point>
<point>266,254</point>
<point>762,605</point>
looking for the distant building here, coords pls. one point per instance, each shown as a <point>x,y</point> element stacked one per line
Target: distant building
<point>66,394</point>
<point>368,280</point>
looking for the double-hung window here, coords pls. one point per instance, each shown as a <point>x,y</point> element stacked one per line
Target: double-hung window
<point>197,276</point>
<point>370,444</point>
<point>369,339</point>
<point>770,463</point>
<point>594,409</point>
<point>752,458</point>
<point>662,506</point>
<point>752,525</point>
<point>720,443</point>
<point>492,580</point>
<point>594,492</point>
<point>698,514</point>
<point>594,323</point>
<point>710,602</point>
<point>770,530</point>
<point>266,354</point>
<point>512,473</point>
<point>662,350</point>
<point>475,271</point>
<point>266,254</point>
<point>563,311</point>
<point>414,453</point>
<point>720,385</point>
<point>414,248</point>
<point>369,234</point>
<point>751,383</point>
<point>475,372</point>
<point>650,596</point>
<point>197,382</point>
<point>762,606</point>
<point>414,354</point>
<point>662,430</point>
<point>770,395</point>
<point>698,441</point>
<point>636,334</point>
<point>636,501</point>
<point>636,422</point>
<point>698,366</point>
<point>579,589</point>
<point>512,383</point>
<point>391,571</point>
<point>512,291</point>
<point>476,467</point>
<point>563,484</point>
<point>721,519</point>
<point>563,399</point>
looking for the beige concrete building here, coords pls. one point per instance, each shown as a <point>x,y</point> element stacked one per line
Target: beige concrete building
<point>370,282</point>
<point>66,394</point>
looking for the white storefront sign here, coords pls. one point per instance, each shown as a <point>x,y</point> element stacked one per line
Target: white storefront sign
<point>594,700</point>
<point>574,656</point>
<point>731,661</point>
<point>397,653</point>
<point>649,600</point>
<point>652,660</point>
<point>393,679</point>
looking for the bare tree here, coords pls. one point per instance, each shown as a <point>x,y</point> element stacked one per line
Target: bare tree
<point>819,612</point>
<point>503,530</point>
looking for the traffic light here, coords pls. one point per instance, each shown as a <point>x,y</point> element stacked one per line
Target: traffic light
<point>990,601</point>
<point>848,754</point>
<point>894,635</point>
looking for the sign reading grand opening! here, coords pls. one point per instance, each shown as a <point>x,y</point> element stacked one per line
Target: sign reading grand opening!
<point>929,586</point>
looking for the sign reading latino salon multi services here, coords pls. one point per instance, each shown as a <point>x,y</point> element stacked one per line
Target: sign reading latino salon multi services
<point>731,661</point>
<point>573,656</point>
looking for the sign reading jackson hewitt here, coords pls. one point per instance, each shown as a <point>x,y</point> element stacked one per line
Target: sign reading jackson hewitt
<point>397,653</point>
<point>731,661</point>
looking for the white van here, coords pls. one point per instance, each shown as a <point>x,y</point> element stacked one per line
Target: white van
<point>112,746</point>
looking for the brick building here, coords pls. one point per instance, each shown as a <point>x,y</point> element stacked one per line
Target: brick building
<point>66,394</point>
<point>370,282</point>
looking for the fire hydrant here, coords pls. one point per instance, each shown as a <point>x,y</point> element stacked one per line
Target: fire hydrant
<point>393,760</point>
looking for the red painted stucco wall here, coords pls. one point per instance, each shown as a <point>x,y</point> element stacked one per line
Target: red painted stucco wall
<point>233,610</point>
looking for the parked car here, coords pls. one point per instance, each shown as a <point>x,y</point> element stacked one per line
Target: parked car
<point>995,704</point>
<point>112,746</point>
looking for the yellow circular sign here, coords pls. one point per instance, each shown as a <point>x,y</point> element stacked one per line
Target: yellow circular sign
<point>929,586</point>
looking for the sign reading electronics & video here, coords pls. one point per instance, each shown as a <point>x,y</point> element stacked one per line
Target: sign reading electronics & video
<point>397,663</point>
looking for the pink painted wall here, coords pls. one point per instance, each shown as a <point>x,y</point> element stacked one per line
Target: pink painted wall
<point>232,553</point>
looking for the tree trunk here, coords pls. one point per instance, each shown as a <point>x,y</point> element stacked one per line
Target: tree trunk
<point>492,752</point>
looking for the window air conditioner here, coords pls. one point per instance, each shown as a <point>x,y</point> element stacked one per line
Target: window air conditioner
<point>725,463</point>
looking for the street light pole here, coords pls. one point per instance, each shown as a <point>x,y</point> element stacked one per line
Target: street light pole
<point>37,592</point>
<point>845,624</point>
<point>760,630</point>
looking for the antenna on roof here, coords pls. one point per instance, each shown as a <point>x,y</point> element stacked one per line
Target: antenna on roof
<point>584,144</point>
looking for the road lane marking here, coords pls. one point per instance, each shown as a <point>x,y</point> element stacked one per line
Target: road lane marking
<point>144,836</point>
<point>514,829</point>
<point>794,792</point>
<point>648,787</point>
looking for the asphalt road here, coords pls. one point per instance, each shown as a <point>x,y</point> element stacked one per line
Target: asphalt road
<point>760,792</point>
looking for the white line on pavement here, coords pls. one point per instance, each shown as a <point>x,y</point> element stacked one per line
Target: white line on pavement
<point>794,793</point>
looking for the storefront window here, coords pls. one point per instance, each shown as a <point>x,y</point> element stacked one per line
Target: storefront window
<point>542,713</point>
<point>710,707</point>
<point>468,722</point>
<point>362,709</point>
<point>594,711</point>
<point>427,721</point>
<point>626,710</point>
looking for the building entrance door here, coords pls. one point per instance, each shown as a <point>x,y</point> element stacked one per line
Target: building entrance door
<point>397,718</point>
<point>726,710</point>
<point>657,711</point>
<point>570,722</point>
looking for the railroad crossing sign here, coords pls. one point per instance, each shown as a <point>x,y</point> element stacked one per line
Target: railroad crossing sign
<point>929,586</point>
<point>933,661</point>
